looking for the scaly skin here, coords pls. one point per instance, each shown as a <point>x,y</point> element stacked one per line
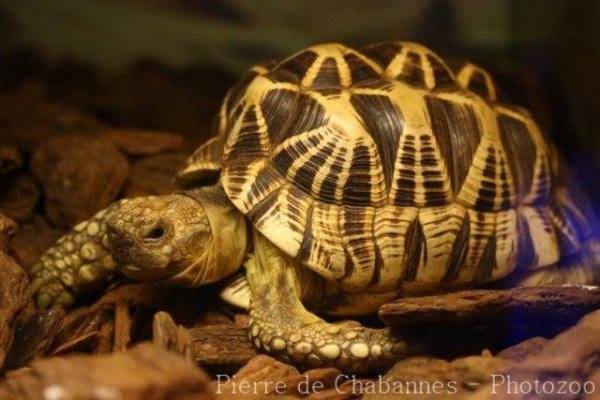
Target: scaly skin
<point>281,326</point>
<point>78,263</point>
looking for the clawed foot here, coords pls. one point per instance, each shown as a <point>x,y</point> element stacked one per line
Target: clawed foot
<point>354,350</point>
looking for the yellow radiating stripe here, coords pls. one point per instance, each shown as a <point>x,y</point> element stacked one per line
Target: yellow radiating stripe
<point>234,132</point>
<point>506,243</point>
<point>490,85</point>
<point>301,137</point>
<point>344,174</point>
<point>312,72</point>
<point>464,75</point>
<point>396,66</point>
<point>325,169</point>
<point>312,150</point>
<point>343,70</point>
<point>427,70</point>
<point>370,91</point>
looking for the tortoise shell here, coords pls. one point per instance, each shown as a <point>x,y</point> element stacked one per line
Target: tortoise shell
<point>384,167</point>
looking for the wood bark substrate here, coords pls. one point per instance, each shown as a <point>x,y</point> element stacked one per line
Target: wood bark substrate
<point>15,302</point>
<point>572,358</point>
<point>557,306</point>
<point>149,372</point>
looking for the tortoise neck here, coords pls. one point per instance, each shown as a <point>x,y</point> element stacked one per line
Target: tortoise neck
<point>229,233</point>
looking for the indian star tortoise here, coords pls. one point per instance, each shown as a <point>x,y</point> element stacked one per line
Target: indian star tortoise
<point>346,179</point>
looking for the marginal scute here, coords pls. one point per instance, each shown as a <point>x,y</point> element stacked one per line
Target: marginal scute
<point>482,226</point>
<point>506,243</point>
<point>389,226</point>
<point>542,235</point>
<point>415,251</point>
<point>440,227</point>
<point>458,251</point>
<point>359,243</point>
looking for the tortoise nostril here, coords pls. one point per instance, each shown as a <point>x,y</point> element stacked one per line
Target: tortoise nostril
<point>111,231</point>
<point>156,233</point>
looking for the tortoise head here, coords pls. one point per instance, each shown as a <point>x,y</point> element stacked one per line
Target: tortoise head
<point>187,239</point>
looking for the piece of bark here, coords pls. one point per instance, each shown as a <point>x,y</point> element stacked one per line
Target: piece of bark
<point>558,305</point>
<point>572,356</point>
<point>431,378</point>
<point>172,337</point>
<point>8,229</point>
<point>79,176</point>
<point>19,195</point>
<point>10,159</point>
<point>154,176</point>
<point>353,388</point>
<point>15,302</point>
<point>262,367</point>
<point>140,142</point>
<point>32,239</point>
<point>106,338</point>
<point>34,337</point>
<point>312,381</point>
<point>26,121</point>
<point>79,344</point>
<point>145,372</point>
<point>122,327</point>
<point>222,347</point>
<point>342,392</point>
<point>527,348</point>
<point>263,374</point>
<point>81,329</point>
<point>267,376</point>
<point>575,352</point>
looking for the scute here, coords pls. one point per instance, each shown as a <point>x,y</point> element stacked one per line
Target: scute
<point>385,166</point>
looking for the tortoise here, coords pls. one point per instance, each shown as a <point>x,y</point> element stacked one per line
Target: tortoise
<point>346,179</point>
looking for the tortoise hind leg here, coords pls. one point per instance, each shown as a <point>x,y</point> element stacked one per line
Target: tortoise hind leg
<point>281,326</point>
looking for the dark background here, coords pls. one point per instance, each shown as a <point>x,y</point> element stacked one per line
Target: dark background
<point>166,64</point>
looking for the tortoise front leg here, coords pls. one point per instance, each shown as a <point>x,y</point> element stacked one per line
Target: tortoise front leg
<point>281,326</point>
<point>77,264</point>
